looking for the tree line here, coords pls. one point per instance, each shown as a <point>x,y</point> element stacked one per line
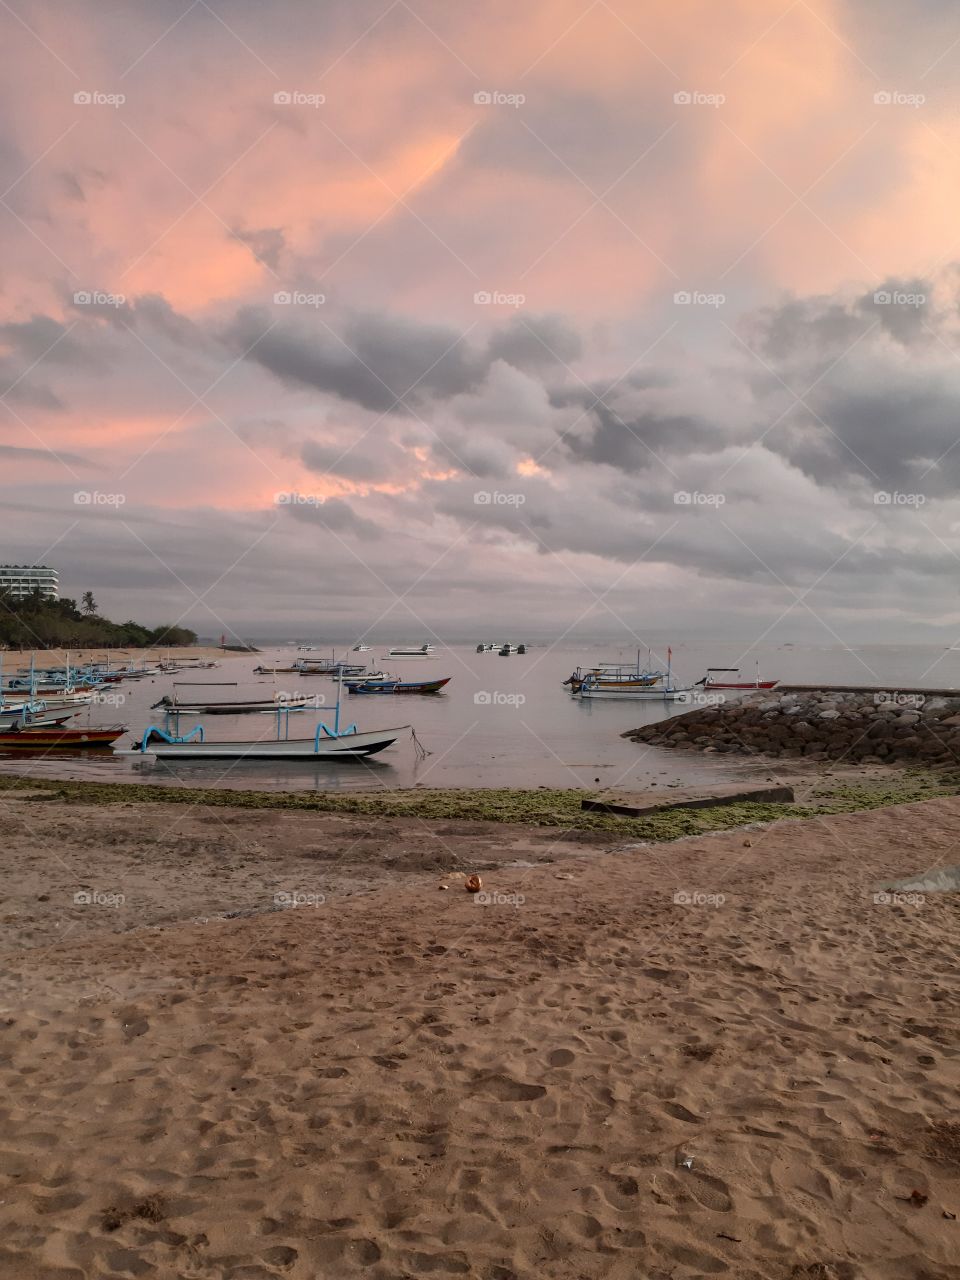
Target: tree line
<point>36,622</point>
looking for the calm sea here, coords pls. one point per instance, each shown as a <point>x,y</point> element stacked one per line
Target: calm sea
<point>500,722</point>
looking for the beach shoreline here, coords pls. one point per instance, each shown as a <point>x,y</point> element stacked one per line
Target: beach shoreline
<point>720,1055</point>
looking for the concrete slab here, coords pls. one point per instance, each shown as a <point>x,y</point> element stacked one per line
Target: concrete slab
<point>637,804</point>
<point>938,880</point>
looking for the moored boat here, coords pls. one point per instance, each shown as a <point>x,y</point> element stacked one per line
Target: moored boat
<point>423,651</point>
<point>727,678</point>
<point>33,738</point>
<point>300,702</point>
<point>387,684</point>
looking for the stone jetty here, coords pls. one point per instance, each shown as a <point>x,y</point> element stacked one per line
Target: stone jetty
<point>870,726</point>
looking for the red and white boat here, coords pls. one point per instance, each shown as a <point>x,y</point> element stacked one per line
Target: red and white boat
<point>727,678</point>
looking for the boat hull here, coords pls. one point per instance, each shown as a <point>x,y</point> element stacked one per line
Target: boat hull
<point>32,739</point>
<point>752,684</point>
<point>635,694</point>
<point>351,745</point>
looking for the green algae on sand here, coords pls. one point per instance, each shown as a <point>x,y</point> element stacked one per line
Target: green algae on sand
<point>543,807</point>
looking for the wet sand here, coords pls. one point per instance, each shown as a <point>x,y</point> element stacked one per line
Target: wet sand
<point>719,1056</point>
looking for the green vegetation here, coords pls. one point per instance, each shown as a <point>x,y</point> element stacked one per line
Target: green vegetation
<point>37,623</point>
<point>539,808</point>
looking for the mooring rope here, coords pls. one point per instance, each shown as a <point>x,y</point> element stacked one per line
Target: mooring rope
<point>420,749</point>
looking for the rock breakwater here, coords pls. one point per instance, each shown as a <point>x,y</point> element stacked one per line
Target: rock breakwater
<point>869,726</point>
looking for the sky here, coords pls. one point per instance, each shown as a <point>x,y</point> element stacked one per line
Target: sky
<point>424,320</point>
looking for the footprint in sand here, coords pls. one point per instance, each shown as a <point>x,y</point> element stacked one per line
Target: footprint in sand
<point>503,1089</point>
<point>561,1057</point>
<point>681,1113</point>
<point>711,1192</point>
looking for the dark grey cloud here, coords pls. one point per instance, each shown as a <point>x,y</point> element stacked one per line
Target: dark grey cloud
<point>392,365</point>
<point>337,515</point>
<point>266,244</point>
<point>43,455</point>
<point>369,459</point>
<point>536,342</point>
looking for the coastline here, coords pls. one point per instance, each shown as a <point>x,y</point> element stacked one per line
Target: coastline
<point>16,660</point>
<point>580,1076</point>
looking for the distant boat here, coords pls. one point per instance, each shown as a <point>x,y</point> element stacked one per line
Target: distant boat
<point>507,649</point>
<point>388,685</point>
<point>424,651</point>
<point>361,648</point>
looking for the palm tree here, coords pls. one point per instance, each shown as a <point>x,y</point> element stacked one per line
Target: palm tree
<point>88,604</point>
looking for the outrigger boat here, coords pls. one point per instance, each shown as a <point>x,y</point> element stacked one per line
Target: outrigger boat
<point>711,680</point>
<point>615,675</point>
<point>635,687</point>
<point>326,743</point>
<point>389,684</point>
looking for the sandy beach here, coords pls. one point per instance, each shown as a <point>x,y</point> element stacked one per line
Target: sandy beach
<point>715,1057</point>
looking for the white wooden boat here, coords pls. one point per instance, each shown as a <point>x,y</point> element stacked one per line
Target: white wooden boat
<point>633,693</point>
<point>423,651</point>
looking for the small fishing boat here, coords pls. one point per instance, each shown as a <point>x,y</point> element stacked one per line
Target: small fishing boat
<point>506,649</point>
<point>33,738</point>
<point>275,671</point>
<point>424,651</point>
<point>361,648</point>
<point>626,684</point>
<point>618,674</point>
<point>301,702</point>
<point>727,678</point>
<point>388,684</point>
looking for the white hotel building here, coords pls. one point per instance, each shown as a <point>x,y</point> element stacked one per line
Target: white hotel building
<point>21,580</point>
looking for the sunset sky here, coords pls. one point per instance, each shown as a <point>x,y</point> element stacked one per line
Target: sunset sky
<point>526,317</point>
